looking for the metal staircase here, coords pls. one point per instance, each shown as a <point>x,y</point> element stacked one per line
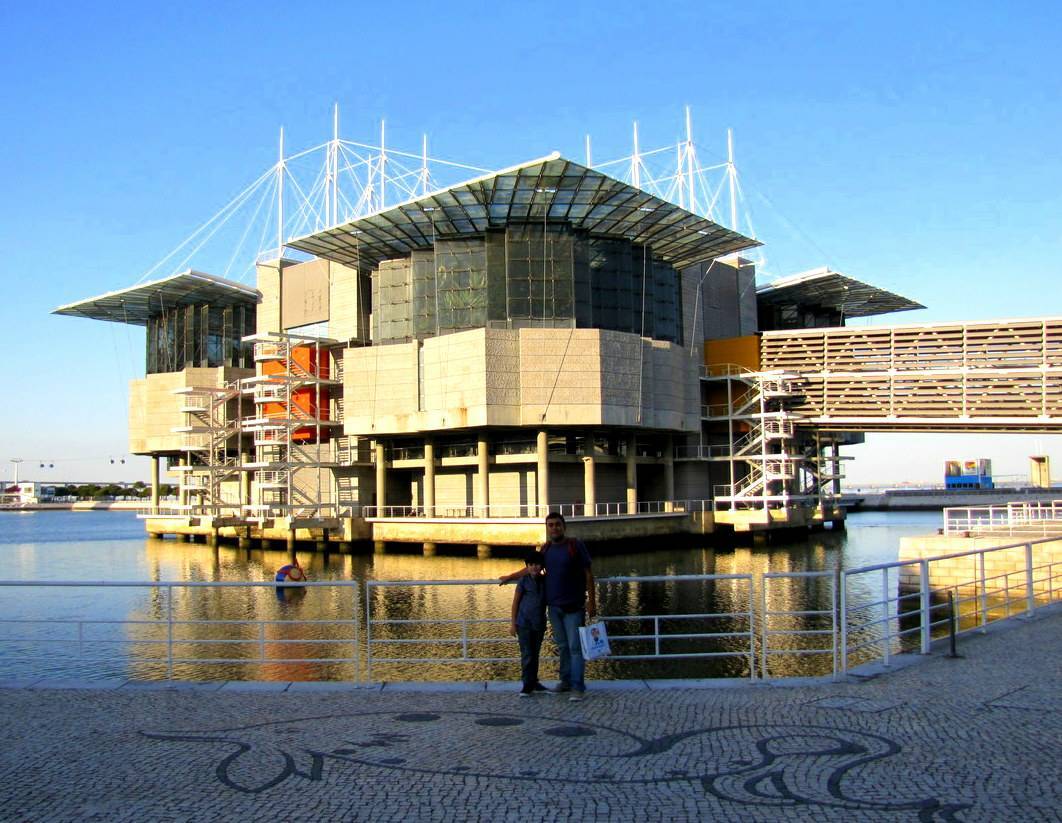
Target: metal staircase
<point>291,428</point>
<point>211,447</point>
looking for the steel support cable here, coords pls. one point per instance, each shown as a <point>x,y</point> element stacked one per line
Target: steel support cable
<point>267,194</point>
<point>238,199</point>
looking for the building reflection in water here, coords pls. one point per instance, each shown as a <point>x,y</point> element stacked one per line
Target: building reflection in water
<point>279,626</point>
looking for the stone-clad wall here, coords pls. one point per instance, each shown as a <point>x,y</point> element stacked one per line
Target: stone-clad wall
<point>154,409</point>
<point>963,572</point>
<point>529,377</point>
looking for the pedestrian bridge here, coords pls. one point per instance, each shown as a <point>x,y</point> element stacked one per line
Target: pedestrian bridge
<point>995,376</point>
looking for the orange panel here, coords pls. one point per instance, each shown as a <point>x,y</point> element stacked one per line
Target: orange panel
<point>744,351</point>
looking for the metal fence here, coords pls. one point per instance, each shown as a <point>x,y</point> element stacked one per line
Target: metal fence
<point>755,622</point>
<point>1007,518</point>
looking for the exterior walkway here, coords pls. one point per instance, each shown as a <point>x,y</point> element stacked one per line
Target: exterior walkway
<point>932,739</point>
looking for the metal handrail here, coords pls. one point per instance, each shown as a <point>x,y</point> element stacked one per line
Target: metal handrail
<point>466,642</point>
<point>868,615</point>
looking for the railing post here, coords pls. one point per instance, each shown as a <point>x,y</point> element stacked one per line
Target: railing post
<point>261,641</point>
<point>464,639</point>
<point>355,611</point>
<point>886,638</point>
<point>656,634</point>
<point>169,632</point>
<point>1030,595</point>
<point>984,592</point>
<point>368,633</point>
<point>923,575</point>
<point>836,585</point>
<point>752,631</point>
<point>844,623</point>
<point>764,629</point>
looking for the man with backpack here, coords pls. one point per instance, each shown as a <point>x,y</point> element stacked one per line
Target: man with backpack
<point>570,600</point>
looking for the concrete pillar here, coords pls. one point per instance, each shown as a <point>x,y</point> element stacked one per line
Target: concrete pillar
<point>483,551</point>
<point>212,538</point>
<point>322,543</point>
<point>381,477</point>
<point>379,547</point>
<point>669,473</point>
<point>245,481</point>
<point>632,476</point>
<point>429,550</point>
<point>154,482</point>
<point>243,539</point>
<point>291,540</point>
<point>589,484</point>
<point>542,452</point>
<point>483,476</point>
<point>429,477</point>
<point>837,469</point>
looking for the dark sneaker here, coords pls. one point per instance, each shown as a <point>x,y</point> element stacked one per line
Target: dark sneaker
<point>525,692</point>
<point>576,697</point>
<point>561,688</point>
<point>538,687</point>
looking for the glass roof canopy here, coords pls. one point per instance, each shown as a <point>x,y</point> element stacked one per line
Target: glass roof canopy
<point>550,188</point>
<point>135,304</point>
<point>833,290</point>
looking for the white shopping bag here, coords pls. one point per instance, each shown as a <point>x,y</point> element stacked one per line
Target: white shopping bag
<point>594,640</point>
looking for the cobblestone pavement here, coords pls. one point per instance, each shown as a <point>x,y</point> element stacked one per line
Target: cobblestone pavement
<point>970,739</point>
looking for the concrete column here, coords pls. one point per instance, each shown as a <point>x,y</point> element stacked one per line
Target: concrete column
<point>669,473</point>
<point>632,476</point>
<point>429,550</point>
<point>483,476</point>
<point>245,481</point>
<point>244,538</point>
<point>837,468</point>
<point>155,482</point>
<point>589,484</point>
<point>381,476</point>
<point>429,477</point>
<point>542,452</point>
<point>291,540</point>
<point>483,551</point>
<point>379,547</point>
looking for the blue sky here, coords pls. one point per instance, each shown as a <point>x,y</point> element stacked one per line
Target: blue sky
<point>912,145</point>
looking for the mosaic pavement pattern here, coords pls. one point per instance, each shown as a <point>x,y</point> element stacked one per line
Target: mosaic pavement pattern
<point>970,739</point>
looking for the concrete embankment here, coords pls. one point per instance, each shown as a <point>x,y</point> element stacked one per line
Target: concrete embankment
<point>936,499</point>
<point>78,506</point>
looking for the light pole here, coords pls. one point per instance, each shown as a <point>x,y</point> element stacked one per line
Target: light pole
<point>16,461</point>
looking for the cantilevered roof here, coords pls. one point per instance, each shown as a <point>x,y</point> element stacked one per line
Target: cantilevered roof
<point>135,304</point>
<point>552,188</point>
<point>833,290</point>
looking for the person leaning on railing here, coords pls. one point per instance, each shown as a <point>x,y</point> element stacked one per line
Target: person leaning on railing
<point>570,599</point>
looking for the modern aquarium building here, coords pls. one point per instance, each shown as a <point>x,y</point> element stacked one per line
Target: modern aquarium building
<point>451,368</point>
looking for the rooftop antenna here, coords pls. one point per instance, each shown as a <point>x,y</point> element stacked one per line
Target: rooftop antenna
<point>636,161</point>
<point>333,170</point>
<point>731,174</point>
<point>689,160</point>
<point>424,164</point>
<point>280,197</point>
<point>589,157</point>
<point>383,166</point>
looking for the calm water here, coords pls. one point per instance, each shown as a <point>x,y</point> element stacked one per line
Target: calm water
<point>111,546</point>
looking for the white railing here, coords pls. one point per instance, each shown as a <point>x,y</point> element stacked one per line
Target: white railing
<point>533,511</point>
<point>870,613</point>
<point>463,640</point>
<point>166,640</point>
<point>1007,518</point>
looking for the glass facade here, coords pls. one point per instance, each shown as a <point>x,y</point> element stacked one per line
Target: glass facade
<point>527,275</point>
<point>198,336</point>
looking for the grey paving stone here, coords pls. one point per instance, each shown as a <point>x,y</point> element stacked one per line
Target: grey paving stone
<point>254,686</point>
<point>440,686</point>
<point>62,683</point>
<point>975,739</point>
<point>332,686</point>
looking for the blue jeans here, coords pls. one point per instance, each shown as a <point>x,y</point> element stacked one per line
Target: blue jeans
<point>566,635</point>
